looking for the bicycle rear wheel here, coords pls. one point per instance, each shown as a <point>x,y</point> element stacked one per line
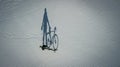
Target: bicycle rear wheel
<point>55,42</point>
<point>48,40</point>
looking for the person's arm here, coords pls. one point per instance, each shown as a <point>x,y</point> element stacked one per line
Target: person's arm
<point>43,21</point>
<point>48,24</point>
<point>42,26</point>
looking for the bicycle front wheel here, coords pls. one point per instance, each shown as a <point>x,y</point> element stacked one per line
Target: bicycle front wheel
<point>55,42</point>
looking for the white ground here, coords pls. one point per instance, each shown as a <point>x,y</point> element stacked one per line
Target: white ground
<point>88,31</point>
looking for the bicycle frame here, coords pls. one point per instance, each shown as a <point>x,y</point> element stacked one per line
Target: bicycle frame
<point>51,34</point>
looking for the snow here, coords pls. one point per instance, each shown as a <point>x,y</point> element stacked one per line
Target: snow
<point>88,33</point>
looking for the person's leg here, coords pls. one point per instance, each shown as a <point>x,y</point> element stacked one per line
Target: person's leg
<point>46,39</point>
<point>43,38</point>
<point>43,42</point>
<point>43,47</point>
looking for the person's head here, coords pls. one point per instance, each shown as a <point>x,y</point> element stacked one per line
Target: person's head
<point>45,10</point>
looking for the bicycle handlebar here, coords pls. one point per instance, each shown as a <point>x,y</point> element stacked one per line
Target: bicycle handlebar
<point>52,30</point>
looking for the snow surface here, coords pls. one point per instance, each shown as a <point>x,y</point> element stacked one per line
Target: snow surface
<point>88,31</point>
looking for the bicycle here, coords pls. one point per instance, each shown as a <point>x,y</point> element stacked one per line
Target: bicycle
<point>52,40</point>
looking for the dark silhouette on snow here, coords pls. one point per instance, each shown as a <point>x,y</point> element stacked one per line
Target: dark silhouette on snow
<point>49,37</point>
<point>44,26</point>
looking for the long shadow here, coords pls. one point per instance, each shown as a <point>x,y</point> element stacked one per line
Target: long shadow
<point>47,39</point>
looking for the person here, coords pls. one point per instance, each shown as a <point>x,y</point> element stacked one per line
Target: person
<point>44,27</point>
